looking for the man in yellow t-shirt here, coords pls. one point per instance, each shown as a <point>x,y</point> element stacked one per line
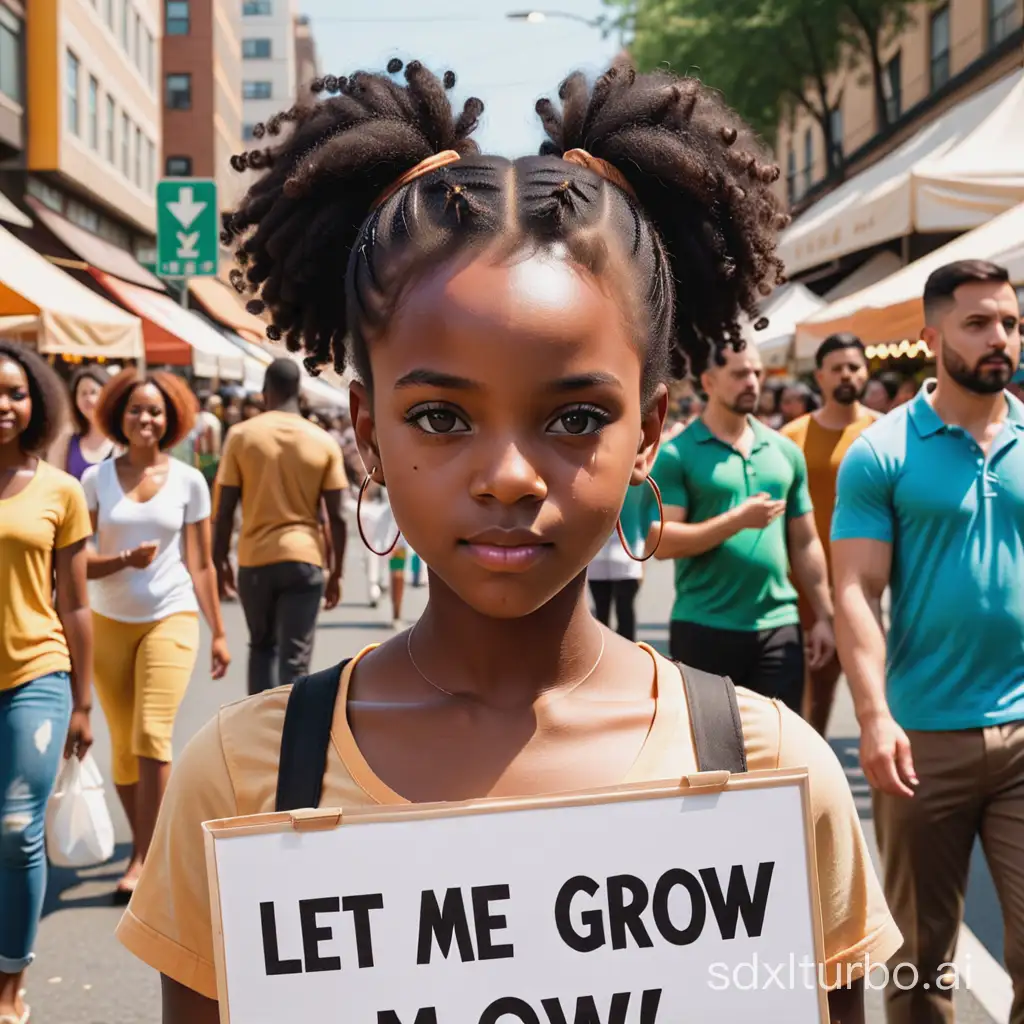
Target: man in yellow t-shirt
<point>283,470</point>
<point>824,437</point>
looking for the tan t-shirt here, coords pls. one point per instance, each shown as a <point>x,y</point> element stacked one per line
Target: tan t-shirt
<point>230,768</point>
<point>282,464</point>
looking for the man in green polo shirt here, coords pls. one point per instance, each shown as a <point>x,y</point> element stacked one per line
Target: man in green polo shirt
<point>737,515</point>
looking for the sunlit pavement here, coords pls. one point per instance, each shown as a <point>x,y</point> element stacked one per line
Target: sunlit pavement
<point>83,976</point>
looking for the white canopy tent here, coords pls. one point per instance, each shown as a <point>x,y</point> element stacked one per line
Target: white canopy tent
<point>784,309</point>
<point>891,310</point>
<point>956,173</point>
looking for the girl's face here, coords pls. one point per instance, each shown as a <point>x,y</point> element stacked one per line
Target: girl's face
<point>15,402</point>
<point>86,395</point>
<point>506,420</point>
<point>145,417</point>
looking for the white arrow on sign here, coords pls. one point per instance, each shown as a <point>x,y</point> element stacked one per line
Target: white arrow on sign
<point>187,245</point>
<point>185,208</point>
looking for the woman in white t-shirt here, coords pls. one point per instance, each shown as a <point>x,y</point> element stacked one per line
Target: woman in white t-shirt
<point>151,572</point>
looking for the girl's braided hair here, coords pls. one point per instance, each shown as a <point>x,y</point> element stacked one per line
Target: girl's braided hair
<point>697,235</point>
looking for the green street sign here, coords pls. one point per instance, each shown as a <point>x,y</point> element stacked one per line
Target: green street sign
<point>187,227</point>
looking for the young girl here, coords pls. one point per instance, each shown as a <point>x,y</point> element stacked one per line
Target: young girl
<point>45,647</point>
<point>512,325</point>
<point>151,573</point>
<point>86,445</point>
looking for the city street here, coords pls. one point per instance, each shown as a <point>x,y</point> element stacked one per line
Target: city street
<point>83,976</point>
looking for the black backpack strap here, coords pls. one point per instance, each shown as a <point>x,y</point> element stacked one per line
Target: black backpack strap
<point>715,716</point>
<point>305,738</point>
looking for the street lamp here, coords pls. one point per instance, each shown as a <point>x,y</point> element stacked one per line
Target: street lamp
<point>537,17</point>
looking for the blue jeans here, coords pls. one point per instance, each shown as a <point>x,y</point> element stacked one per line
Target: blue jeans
<point>33,726</point>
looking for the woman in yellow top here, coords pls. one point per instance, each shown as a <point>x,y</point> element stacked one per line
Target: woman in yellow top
<point>513,325</point>
<point>45,647</point>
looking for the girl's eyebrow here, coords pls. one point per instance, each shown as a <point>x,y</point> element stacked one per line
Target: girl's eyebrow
<point>433,378</point>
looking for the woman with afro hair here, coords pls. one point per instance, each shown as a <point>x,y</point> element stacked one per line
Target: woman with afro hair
<point>513,326</point>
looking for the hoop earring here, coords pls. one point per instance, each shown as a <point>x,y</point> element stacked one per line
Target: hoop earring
<point>359,523</point>
<point>661,526</point>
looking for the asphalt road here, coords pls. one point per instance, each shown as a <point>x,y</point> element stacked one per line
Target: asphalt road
<point>83,976</point>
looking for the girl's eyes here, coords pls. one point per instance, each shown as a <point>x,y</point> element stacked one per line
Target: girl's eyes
<point>578,421</point>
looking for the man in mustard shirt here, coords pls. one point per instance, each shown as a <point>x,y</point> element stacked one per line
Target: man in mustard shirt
<point>281,468</point>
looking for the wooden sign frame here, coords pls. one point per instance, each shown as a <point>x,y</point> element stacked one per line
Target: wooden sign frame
<point>327,818</point>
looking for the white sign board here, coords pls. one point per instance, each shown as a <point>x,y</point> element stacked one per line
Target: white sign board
<point>645,905</point>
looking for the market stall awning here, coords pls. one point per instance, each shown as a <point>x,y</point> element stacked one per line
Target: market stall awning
<point>891,310</point>
<point>784,309</point>
<point>93,250</point>
<point>11,214</point>
<point>173,336</point>
<point>912,189</point>
<point>224,305</point>
<point>877,268</point>
<point>41,304</point>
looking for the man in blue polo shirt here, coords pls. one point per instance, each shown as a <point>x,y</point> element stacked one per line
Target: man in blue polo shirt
<point>930,501</point>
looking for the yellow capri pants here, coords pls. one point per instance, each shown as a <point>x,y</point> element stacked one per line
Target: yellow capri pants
<point>142,670</point>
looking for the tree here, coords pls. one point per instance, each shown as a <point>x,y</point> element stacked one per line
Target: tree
<point>868,26</point>
<point>764,56</point>
<point>769,57</point>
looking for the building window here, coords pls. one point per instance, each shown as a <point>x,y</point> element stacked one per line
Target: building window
<point>251,8</point>
<point>178,167</point>
<point>177,17</point>
<point>892,83</point>
<point>138,156</point>
<point>179,92</point>
<point>94,113</point>
<point>1003,20</point>
<point>137,37</point>
<point>10,55</point>
<point>150,60</point>
<point>836,119</point>
<point>71,92</point>
<point>126,143</point>
<point>256,91</point>
<point>940,48</point>
<point>125,12</point>
<point>150,164</point>
<point>111,118</point>
<point>258,49</point>
<point>808,159</point>
<point>248,132</point>
<point>791,182</point>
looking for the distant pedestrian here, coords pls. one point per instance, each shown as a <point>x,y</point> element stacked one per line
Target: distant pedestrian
<point>879,392</point>
<point>280,467</point>
<point>45,647</point>
<point>796,400</point>
<point>824,437</point>
<point>151,573</point>
<point>908,388</point>
<point>737,515</point>
<point>85,444</point>
<point>931,503</point>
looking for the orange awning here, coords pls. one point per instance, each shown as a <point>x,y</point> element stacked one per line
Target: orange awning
<point>225,305</point>
<point>173,335</point>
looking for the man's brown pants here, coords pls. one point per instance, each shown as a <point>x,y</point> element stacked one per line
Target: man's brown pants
<point>971,784</point>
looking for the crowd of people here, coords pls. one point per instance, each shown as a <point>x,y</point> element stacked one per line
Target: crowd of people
<point>510,425</point>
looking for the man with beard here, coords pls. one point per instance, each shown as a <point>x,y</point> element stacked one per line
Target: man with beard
<point>824,437</point>
<point>737,515</point>
<point>931,502</point>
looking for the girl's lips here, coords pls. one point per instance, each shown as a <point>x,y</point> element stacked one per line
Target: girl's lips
<point>505,558</point>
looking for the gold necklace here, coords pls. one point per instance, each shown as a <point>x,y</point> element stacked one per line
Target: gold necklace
<point>448,693</point>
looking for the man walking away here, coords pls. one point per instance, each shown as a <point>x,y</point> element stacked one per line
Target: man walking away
<point>824,437</point>
<point>931,502</point>
<point>281,467</point>
<point>737,513</point>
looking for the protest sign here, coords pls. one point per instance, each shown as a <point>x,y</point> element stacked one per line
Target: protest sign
<point>660,904</point>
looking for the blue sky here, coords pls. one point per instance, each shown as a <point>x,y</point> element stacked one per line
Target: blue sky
<point>508,64</point>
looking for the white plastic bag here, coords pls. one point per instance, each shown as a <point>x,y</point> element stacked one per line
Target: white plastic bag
<point>79,832</point>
